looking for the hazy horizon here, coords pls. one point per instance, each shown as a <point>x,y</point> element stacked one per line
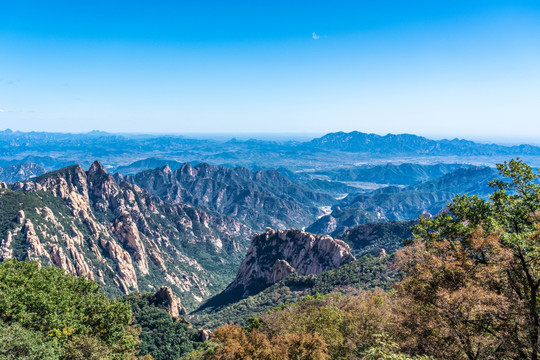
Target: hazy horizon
<point>300,136</point>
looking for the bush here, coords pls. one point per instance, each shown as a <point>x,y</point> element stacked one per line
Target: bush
<point>71,311</point>
<point>18,343</point>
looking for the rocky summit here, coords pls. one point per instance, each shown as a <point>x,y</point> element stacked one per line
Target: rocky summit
<point>273,255</point>
<point>116,233</point>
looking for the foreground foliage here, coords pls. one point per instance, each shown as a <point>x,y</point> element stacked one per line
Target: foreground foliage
<point>315,328</point>
<point>365,273</point>
<point>60,316</point>
<point>161,336</point>
<point>472,276</point>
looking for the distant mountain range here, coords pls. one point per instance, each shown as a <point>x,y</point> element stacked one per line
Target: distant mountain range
<point>412,144</point>
<point>122,152</point>
<point>394,174</point>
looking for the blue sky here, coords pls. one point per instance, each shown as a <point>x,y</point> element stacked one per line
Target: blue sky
<point>436,68</point>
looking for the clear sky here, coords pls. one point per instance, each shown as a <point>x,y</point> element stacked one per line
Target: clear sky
<point>437,68</point>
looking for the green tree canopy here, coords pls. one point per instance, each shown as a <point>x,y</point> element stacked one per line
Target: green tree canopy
<point>63,307</point>
<point>472,275</point>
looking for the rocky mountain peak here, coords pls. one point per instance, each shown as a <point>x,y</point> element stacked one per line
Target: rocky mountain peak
<point>96,169</point>
<point>166,169</point>
<point>187,169</point>
<point>273,255</point>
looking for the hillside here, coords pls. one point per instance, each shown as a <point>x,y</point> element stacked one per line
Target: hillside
<point>87,224</point>
<point>365,273</point>
<point>372,238</point>
<point>18,172</point>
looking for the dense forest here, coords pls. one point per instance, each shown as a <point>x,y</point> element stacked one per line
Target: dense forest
<point>465,286</point>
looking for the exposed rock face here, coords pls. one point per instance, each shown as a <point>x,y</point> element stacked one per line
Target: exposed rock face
<point>205,334</point>
<point>88,224</point>
<point>280,270</point>
<point>260,199</point>
<point>325,225</point>
<point>273,255</point>
<point>165,296</point>
<point>35,248</point>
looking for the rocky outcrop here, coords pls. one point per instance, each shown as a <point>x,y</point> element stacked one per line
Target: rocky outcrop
<point>34,247</point>
<point>117,233</point>
<point>280,270</point>
<point>127,232</point>
<point>204,334</point>
<point>274,255</point>
<point>165,297</point>
<point>5,247</point>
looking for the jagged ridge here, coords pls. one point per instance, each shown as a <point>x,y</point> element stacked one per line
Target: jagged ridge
<point>260,199</point>
<point>88,224</point>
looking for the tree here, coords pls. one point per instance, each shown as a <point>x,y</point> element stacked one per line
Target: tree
<point>64,308</point>
<point>315,328</point>
<point>471,275</point>
<point>161,336</point>
<point>18,343</point>
<point>386,349</point>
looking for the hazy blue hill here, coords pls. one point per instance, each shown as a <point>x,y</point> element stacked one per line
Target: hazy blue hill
<point>47,162</point>
<point>402,174</point>
<point>411,144</point>
<point>330,187</point>
<point>146,164</point>
<point>19,172</point>
<point>472,180</point>
<point>396,204</point>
